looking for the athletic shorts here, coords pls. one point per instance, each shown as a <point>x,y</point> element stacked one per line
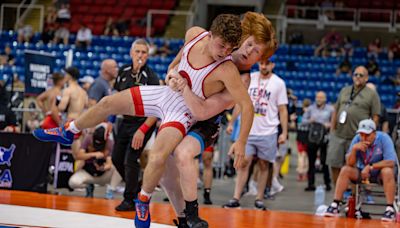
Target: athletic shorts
<point>49,123</point>
<point>264,147</point>
<point>163,103</point>
<point>206,132</point>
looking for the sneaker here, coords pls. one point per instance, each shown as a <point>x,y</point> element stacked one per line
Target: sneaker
<point>332,210</point>
<point>207,199</point>
<point>89,191</point>
<point>388,216</point>
<point>194,221</point>
<point>142,217</point>
<point>180,224</point>
<point>233,203</point>
<point>126,206</point>
<point>276,189</point>
<point>109,193</point>
<point>310,189</point>
<point>259,204</point>
<point>58,134</point>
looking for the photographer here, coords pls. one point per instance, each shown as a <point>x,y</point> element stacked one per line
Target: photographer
<point>95,161</point>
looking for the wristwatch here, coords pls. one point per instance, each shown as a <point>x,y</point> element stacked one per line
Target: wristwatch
<point>371,167</point>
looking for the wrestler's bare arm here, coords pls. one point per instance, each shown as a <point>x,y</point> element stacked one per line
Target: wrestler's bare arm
<point>64,100</point>
<point>42,98</point>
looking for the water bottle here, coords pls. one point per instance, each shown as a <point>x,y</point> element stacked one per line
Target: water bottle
<point>352,207</point>
<point>319,197</point>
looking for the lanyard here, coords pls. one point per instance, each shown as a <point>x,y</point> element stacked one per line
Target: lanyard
<point>353,96</point>
<point>364,155</point>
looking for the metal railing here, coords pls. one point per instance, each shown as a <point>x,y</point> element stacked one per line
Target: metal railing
<point>151,12</point>
<point>351,17</point>
<point>18,12</point>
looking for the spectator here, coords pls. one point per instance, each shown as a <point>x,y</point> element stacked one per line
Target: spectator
<point>394,49</point>
<point>344,67</point>
<point>18,84</point>
<point>83,37</point>
<point>6,57</point>
<point>86,82</point>
<point>51,16</point>
<point>63,14</point>
<point>122,27</point>
<point>318,118</point>
<point>164,50</point>
<point>153,49</point>
<point>48,33</point>
<point>373,67</point>
<point>301,141</point>
<point>110,29</point>
<point>101,86</point>
<point>396,78</point>
<point>371,157</point>
<point>25,33</point>
<point>8,120</point>
<point>133,132</point>
<point>347,115</point>
<point>374,48</point>
<point>383,124</point>
<point>95,153</point>
<point>347,49</point>
<point>61,35</point>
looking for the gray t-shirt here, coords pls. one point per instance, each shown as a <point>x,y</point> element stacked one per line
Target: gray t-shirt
<point>365,105</point>
<point>99,89</point>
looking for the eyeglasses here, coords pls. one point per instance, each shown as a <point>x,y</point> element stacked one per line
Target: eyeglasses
<point>358,75</point>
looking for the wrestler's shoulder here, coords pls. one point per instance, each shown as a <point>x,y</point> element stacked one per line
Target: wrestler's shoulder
<point>193,32</point>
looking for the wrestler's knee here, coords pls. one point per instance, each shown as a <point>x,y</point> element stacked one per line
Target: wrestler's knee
<point>184,155</point>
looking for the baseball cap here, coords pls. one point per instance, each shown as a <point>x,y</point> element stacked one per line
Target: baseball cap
<point>366,126</point>
<point>87,79</point>
<point>73,71</point>
<point>99,142</point>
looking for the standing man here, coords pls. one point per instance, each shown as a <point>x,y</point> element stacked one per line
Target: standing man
<point>268,93</point>
<point>48,101</point>
<point>318,116</point>
<point>133,132</point>
<point>101,86</point>
<point>354,103</point>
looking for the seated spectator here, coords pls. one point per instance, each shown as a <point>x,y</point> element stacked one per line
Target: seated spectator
<point>8,120</point>
<point>61,35</point>
<point>396,78</point>
<point>153,49</point>
<point>25,33</point>
<point>83,37</point>
<point>63,14</point>
<point>344,67</point>
<point>394,49</point>
<point>374,48</point>
<point>110,29</point>
<point>18,84</point>
<point>373,67</point>
<point>6,58</point>
<point>347,49</point>
<point>51,16</point>
<point>164,50</point>
<point>370,158</point>
<point>122,27</point>
<point>48,33</point>
<point>86,82</point>
<point>97,167</point>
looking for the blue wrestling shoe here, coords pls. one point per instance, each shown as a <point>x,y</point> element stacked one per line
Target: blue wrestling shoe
<point>58,134</point>
<point>142,217</point>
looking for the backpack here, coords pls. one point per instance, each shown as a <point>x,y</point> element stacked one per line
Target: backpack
<point>316,133</point>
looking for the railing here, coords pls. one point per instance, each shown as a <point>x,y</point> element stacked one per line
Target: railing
<point>151,12</point>
<point>351,17</point>
<point>18,7</point>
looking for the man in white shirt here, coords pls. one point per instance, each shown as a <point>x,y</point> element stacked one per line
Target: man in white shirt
<point>268,93</point>
<point>83,37</point>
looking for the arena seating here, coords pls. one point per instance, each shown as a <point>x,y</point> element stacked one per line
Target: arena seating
<point>296,64</point>
<point>95,13</point>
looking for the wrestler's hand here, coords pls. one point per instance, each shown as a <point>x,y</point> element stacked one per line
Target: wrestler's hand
<point>237,149</point>
<point>169,76</point>
<point>282,138</point>
<point>229,128</point>
<point>98,155</point>
<point>137,140</point>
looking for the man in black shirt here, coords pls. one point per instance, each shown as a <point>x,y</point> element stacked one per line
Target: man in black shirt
<point>8,120</point>
<point>133,132</point>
